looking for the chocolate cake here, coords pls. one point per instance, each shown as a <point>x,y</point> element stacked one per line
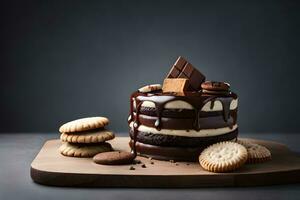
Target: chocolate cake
<point>178,125</point>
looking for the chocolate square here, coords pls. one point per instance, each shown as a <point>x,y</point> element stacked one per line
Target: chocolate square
<point>183,69</point>
<point>180,63</point>
<point>174,72</point>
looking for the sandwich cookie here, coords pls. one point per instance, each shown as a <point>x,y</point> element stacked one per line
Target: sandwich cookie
<point>214,87</point>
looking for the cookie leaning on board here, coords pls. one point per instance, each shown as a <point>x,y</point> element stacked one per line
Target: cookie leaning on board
<point>85,137</point>
<point>229,156</point>
<point>256,153</point>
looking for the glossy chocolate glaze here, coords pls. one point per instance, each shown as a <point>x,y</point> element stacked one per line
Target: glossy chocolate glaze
<point>196,99</point>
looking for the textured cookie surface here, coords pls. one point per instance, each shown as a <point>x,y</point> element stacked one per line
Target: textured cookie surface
<point>223,157</point>
<point>92,136</point>
<point>114,158</point>
<point>256,153</point>
<point>83,150</point>
<point>84,124</point>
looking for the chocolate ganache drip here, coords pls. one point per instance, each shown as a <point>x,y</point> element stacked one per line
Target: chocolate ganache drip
<point>196,99</point>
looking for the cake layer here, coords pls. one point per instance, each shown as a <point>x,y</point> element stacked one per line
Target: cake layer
<point>186,133</point>
<point>181,141</point>
<point>181,104</point>
<point>199,103</point>
<point>168,153</point>
<point>211,122</point>
<point>180,113</point>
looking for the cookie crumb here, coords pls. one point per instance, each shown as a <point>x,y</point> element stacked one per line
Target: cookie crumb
<point>152,163</point>
<point>143,166</point>
<point>176,164</point>
<point>137,162</point>
<point>172,161</point>
<point>150,158</point>
<point>187,163</point>
<point>131,168</point>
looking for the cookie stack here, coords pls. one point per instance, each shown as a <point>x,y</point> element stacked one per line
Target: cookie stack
<point>85,137</point>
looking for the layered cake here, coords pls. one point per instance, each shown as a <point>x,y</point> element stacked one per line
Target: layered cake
<point>178,120</point>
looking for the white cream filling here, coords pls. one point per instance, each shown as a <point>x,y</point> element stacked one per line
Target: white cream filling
<point>179,104</point>
<point>218,106</point>
<point>190,133</point>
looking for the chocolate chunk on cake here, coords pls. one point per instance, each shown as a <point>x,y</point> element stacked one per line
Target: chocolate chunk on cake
<point>179,122</point>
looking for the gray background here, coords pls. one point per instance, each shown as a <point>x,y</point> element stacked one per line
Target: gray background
<point>62,60</point>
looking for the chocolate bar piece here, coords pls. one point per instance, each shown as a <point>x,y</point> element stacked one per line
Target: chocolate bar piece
<point>183,69</point>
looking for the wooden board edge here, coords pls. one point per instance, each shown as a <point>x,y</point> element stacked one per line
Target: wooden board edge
<point>122,181</point>
<point>141,181</point>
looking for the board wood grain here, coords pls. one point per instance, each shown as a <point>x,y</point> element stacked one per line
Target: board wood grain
<point>51,168</point>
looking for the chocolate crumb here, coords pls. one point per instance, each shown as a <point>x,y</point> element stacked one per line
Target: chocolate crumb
<point>187,163</point>
<point>152,163</point>
<point>176,164</point>
<point>143,166</point>
<point>131,168</point>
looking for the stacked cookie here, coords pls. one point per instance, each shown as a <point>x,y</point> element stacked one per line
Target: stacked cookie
<point>85,137</point>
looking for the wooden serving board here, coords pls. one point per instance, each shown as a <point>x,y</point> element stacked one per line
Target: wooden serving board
<point>51,168</point>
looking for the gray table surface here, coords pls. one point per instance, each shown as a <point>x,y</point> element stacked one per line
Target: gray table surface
<point>17,150</point>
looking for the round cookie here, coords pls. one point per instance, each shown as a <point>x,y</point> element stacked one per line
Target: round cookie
<point>223,157</point>
<point>114,158</point>
<point>215,86</point>
<point>92,136</point>
<point>84,150</point>
<point>84,124</point>
<point>256,153</point>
